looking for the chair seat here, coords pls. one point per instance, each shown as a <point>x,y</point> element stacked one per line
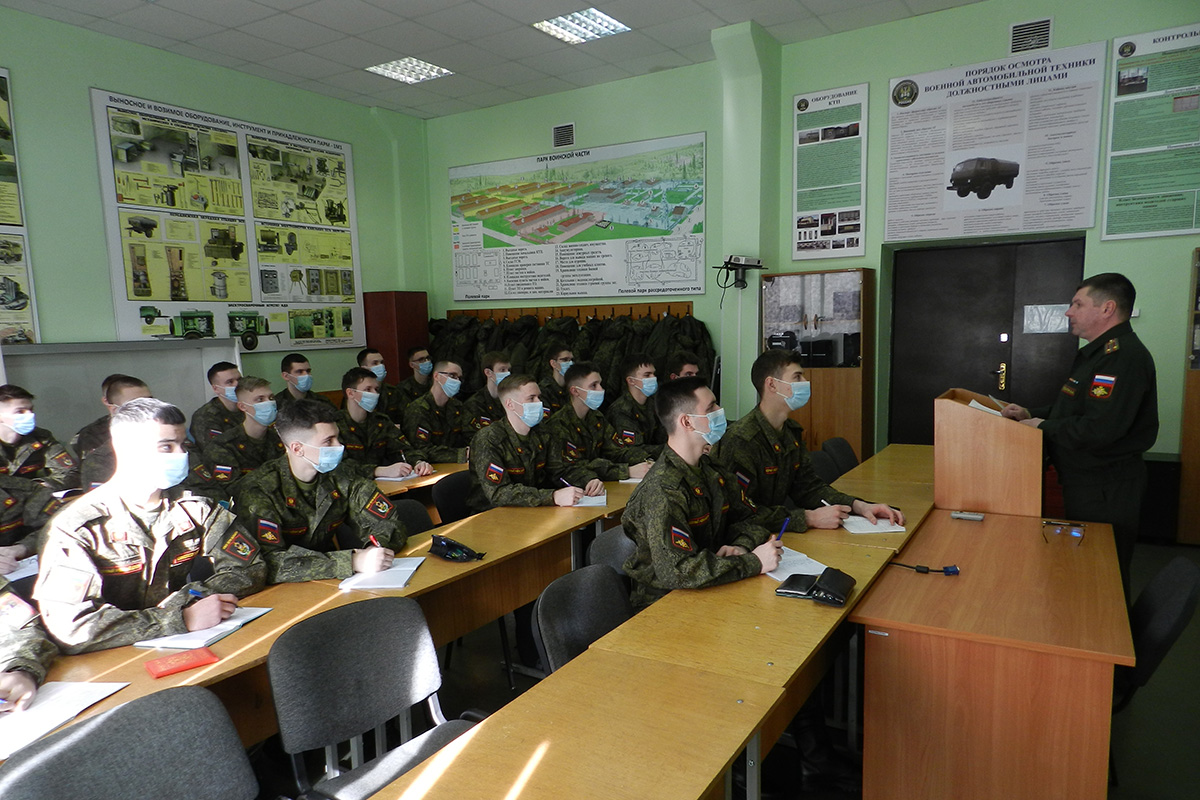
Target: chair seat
<point>373,776</point>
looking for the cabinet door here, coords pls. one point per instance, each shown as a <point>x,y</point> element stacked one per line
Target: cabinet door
<point>1189,455</point>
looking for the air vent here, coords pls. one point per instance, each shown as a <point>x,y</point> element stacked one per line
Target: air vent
<point>564,135</point>
<point>1033,35</point>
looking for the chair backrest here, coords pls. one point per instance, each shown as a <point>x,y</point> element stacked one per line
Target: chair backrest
<point>347,670</point>
<point>450,496</point>
<point>612,548</point>
<point>176,743</point>
<point>1161,613</point>
<point>822,462</point>
<point>842,454</point>
<point>414,515</point>
<point>576,610</point>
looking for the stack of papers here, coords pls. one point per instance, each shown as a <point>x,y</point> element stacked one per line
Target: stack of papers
<point>982,407</point>
<point>55,703</point>
<point>394,577</point>
<point>857,524</point>
<point>193,639</point>
<point>793,562</point>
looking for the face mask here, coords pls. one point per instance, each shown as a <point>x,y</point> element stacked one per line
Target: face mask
<point>231,393</point>
<point>264,412</point>
<point>304,383</point>
<point>425,368</point>
<point>451,386</point>
<point>500,376</point>
<point>327,457</point>
<point>594,399</point>
<point>169,469</point>
<point>649,385</point>
<point>716,426</point>
<point>531,413</point>
<point>563,366</point>
<point>380,371</point>
<point>801,392</point>
<point>368,400</point>
<point>24,423</point>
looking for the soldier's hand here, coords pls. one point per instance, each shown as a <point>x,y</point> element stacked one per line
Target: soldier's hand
<point>826,517</point>
<point>397,470</point>
<point>594,488</point>
<point>1014,411</point>
<point>639,470</point>
<point>567,496</point>
<point>877,511</point>
<point>372,559</point>
<point>208,611</point>
<point>730,550</point>
<point>768,553</point>
<point>7,562</point>
<point>16,690</point>
<point>1032,422</point>
<point>424,468</point>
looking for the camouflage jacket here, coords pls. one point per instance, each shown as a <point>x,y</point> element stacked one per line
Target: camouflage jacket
<point>437,432</point>
<point>211,420</point>
<point>392,403</point>
<point>554,396</point>
<point>284,397</point>
<point>235,454</point>
<point>637,426</point>
<point>375,441</point>
<point>409,390</point>
<point>24,644</point>
<point>25,508</point>
<point>91,436</point>
<point>590,444</point>
<point>93,446</point>
<point>38,456</point>
<point>514,470</point>
<point>482,410</point>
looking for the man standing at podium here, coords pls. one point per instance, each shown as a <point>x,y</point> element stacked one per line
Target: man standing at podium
<point>1105,416</point>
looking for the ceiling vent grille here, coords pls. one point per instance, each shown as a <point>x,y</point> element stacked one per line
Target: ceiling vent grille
<point>1033,35</point>
<point>564,135</point>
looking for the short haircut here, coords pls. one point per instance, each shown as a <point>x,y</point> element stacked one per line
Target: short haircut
<point>492,358</point>
<point>558,349</point>
<point>10,391</point>
<point>412,351</point>
<point>440,366</point>
<point>366,351</point>
<point>220,366</point>
<point>142,410</point>
<point>771,364</point>
<point>677,397</point>
<point>114,384</point>
<point>291,358</point>
<point>249,383</point>
<point>513,384</point>
<point>632,362</point>
<point>294,419</point>
<point>105,383</point>
<point>681,359</point>
<point>577,373</point>
<point>355,376</point>
<point>1112,286</point>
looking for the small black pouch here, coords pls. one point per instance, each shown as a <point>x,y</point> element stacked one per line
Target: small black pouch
<point>451,550</point>
<point>832,587</point>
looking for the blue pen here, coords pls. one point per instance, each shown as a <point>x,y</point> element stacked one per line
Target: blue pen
<point>783,528</point>
<point>197,593</point>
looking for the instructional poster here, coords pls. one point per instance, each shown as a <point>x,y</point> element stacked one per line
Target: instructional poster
<point>1153,186</point>
<point>220,227</point>
<point>829,173</point>
<point>18,317</point>
<point>619,220</point>
<point>1003,147</point>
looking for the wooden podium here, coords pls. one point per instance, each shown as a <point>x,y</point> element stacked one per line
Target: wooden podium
<point>982,462</point>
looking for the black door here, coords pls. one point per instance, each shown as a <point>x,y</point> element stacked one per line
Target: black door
<point>958,320</point>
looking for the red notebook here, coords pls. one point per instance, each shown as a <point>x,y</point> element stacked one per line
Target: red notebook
<point>178,662</point>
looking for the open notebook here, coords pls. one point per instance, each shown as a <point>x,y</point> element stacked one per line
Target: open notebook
<point>193,639</point>
<point>395,577</point>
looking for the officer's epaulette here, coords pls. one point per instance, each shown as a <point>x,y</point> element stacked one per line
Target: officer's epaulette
<point>1111,346</point>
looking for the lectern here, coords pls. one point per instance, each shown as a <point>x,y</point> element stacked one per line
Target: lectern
<point>983,462</point>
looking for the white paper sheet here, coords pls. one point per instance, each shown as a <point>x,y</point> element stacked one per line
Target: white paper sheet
<point>193,639</point>
<point>55,703</point>
<point>856,524</point>
<point>793,562</point>
<point>395,577</point>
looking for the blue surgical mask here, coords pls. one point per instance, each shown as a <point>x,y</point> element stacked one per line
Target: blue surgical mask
<point>304,383</point>
<point>425,368</point>
<point>594,399</point>
<point>368,400</point>
<point>500,376</point>
<point>563,366</point>
<point>716,426</point>
<point>380,371</point>
<point>264,412</point>
<point>231,393</point>
<point>451,386</point>
<point>531,413</point>
<point>24,423</point>
<point>327,457</point>
<point>801,393</point>
<point>169,469</point>
<point>650,385</point>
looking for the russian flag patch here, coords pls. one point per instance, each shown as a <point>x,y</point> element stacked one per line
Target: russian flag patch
<point>682,540</point>
<point>1102,386</point>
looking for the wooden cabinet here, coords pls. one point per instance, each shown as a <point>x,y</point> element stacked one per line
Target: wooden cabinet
<point>830,317</point>
<point>1189,454</point>
<point>395,322</point>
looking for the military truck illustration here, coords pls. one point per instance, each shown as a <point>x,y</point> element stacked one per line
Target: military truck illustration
<point>223,243</point>
<point>12,296</point>
<point>192,324</point>
<point>248,326</point>
<point>982,175</point>
<point>142,225</point>
<point>10,251</point>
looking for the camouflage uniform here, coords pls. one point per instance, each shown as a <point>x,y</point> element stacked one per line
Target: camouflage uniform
<point>514,470</point>
<point>25,508</point>
<point>391,403</point>
<point>637,426</point>
<point>437,432</point>
<point>91,436</point>
<point>409,390</point>
<point>297,525</point>
<point>211,420</point>
<point>285,397</point>
<point>554,396</point>
<point>375,441</point>
<point>93,445</point>
<point>774,470</point>
<point>235,454</point>
<point>482,410</point>
<point>589,444</point>
<point>38,456</point>
<point>678,517</point>
<point>109,577</point>
<point>24,645</point>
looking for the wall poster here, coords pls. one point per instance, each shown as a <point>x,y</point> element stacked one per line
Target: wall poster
<point>619,220</point>
<point>220,227</point>
<point>1153,186</point>
<point>829,173</point>
<point>18,316</point>
<point>1007,146</point>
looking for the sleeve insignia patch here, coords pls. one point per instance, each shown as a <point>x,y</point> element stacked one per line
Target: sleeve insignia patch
<point>743,480</point>
<point>64,460</point>
<point>213,433</point>
<point>222,472</point>
<point>628,437</point>
<point>423,434</point>
<point>1102,386</point>
<point>495,473</point>
<point>379,506</point>
<point>681,540</point>
<point>239,546</point>
<point>202,471</point>
<point>1111,346</point>
<point>64,585</point>
<point>571,450</point>
<point>14,612</point>
<point>268,531</point>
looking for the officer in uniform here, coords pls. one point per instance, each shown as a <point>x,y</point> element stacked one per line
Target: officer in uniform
<point>123,563</point>
<point>692,524</point>
<point>304,506</point>
<point>631,415</point>
<point>391,400</point>
<point>25,508</point>
<point>244,448</point>
<point>433,422</point>
<point>369,436</point>
<point>581,436</point>
<point>28,452</point>
<point>765,451</point>
<point>554,388</point>
<point>221,412</point>
<point>484,407</point>
<point>419,382</point>
<point>25,650</point>
<point>297,376</point>
<point>92,444</point>
<point>1105,416</point>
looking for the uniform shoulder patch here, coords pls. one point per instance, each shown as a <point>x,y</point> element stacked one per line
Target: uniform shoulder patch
<point>64,585</point>
<point>423,434</point>
<point>680,539</point>
<point>495,473</point>
<point>64,460</point>
<point>379,506</point>
<point>222,472</point>
<point>239,546</point>
<point>268,531</point>
<point>1102,386</point>
<point>743,480</point>
<point>15,613</point>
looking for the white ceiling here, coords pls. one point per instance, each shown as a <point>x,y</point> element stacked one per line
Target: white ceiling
<point>324,45</point>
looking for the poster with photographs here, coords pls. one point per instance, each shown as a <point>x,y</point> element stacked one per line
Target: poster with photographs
<point>1003,147</point>
<point>18,317</point>
<point>1153,180</point>
<point>829,173</point>
<point>224,228</point>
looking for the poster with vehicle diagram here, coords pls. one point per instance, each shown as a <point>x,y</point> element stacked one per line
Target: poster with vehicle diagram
<point>18,315</point>
<point>618,220</point>
<point>224,228</point>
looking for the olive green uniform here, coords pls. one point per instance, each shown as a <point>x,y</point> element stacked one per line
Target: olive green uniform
<point>284,397</point>
<point>93,446</point>
<point>375,441</point>
<point>437,431</point>
<point>637,425</point>
<point>211,420</point>
<point>554,396</point>
<point>235,454</point>
<point>110,577</point>
<point>25,508</point>
<point>590,444</point>
<point>300,526</point>
<point>514,470</point>
<point>38,456</point>
<point>482,410</point>
<point>409,390</point>
<point>91,436</point>
<point>774,469</point>
<point>679,516</point>
<point>24,645</point>
<point>391,403</point>
<point>1099,425</point>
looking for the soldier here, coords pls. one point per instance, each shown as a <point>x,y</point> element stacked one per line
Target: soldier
<point>692,524</point>
<point>554,388</point>
<point>123,563</point>
<point>683,365</point>
<point>484,407</point>
<point>297,375</point>
<point>434,421</point>
<point>25,508</point>
<point>25,650</point>
<point>419,382</point>
<point>765,452</point>
<point>369,436</point>
<point>635,421</point>
<point>581,436</point>
<point>240,450</point>
<point>391,400</point>
<point>92,444</point>
<point>304,506</point>
<point>28,452</point>
<point>221,412</point>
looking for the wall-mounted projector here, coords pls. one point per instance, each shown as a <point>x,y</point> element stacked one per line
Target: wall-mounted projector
<point>737,265</point>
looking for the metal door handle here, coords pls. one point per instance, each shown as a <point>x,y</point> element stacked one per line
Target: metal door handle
<point>1001,376</point>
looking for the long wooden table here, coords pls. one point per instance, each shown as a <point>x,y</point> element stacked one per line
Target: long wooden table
<point>897,463</point>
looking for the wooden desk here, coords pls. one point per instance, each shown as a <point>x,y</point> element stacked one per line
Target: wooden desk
<point>606,725</point>
<point>914,499</point>
<point>400,487</point>
<point>898,463</point>
<point>997,682</point>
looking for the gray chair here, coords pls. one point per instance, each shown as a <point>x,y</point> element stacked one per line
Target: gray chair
<point>823,464</point>
<point>177,743</point>
<point>842,454</point>
<point>414,515</point>
<point>612,548</point>
<point>576,610</point>
<point>350,670</point>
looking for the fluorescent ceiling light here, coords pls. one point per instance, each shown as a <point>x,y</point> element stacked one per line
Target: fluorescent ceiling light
<point>582,26</point>
<point>409,70</point>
